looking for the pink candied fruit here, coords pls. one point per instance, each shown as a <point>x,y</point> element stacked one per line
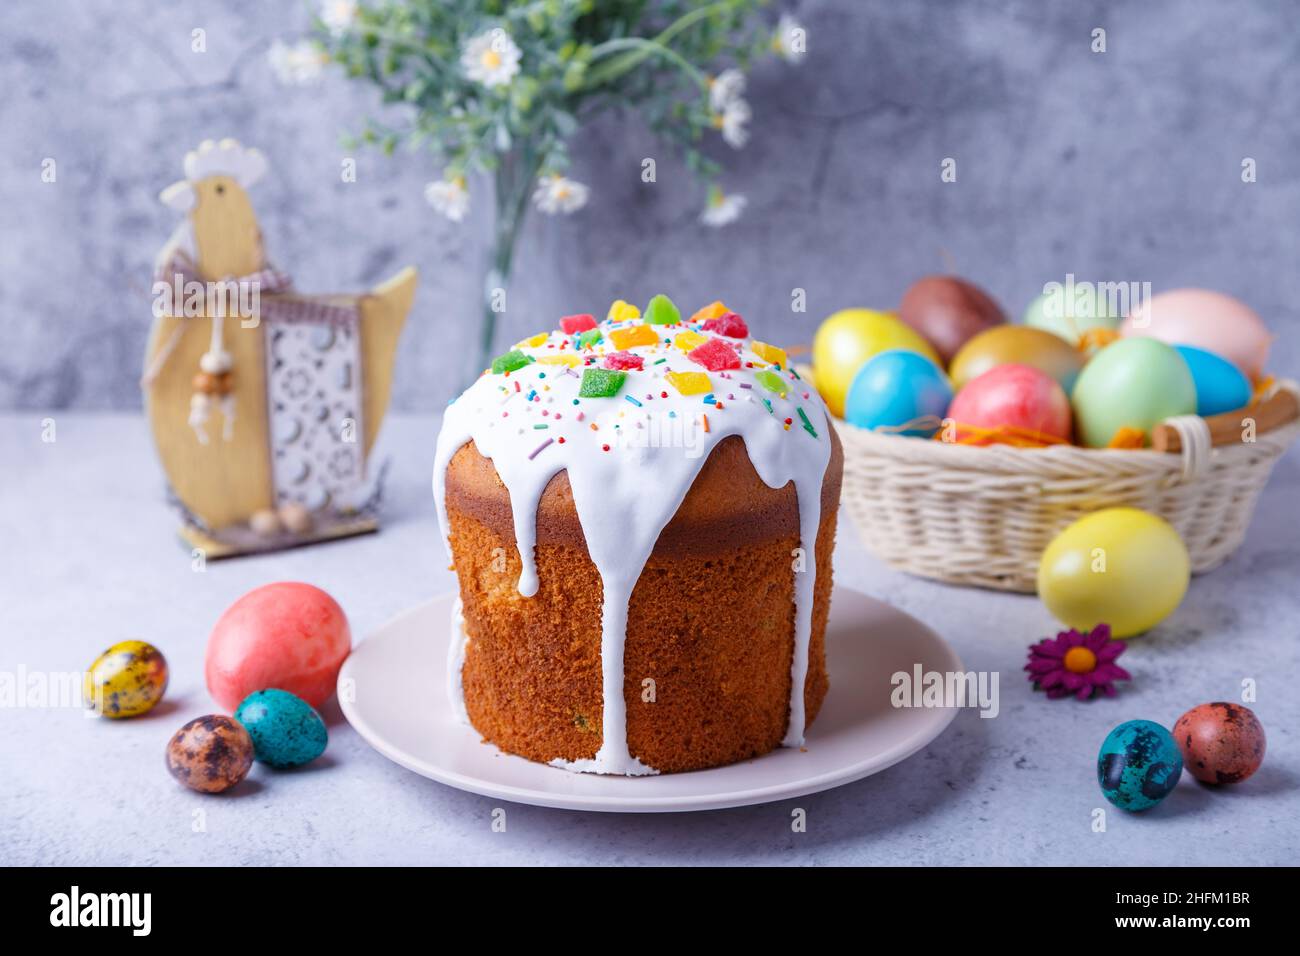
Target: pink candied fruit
<point>731,325</point>
<point>573,324</point>
<point>623,361</point>
<point>715,355</point>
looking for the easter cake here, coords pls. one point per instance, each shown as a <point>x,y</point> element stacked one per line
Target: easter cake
<point>641,513</point>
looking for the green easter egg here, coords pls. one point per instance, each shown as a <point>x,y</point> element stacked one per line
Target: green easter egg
<point>1131,383</point>
<point>1055,312</point>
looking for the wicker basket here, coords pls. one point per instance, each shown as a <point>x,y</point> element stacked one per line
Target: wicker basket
<point>983,516</point>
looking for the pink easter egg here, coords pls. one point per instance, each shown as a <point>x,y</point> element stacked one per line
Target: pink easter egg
<point>287,635</point>
<point>1207,320</point>
<point>1016,396</point>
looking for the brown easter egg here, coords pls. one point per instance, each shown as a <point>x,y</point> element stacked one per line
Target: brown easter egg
<point>210,754</point>
<point>949,311</point>
<point>1221,742</point>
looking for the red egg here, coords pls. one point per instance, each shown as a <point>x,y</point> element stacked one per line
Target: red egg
<point>1014,396</point>
<point>287,635</point>
<point>1221,742</point>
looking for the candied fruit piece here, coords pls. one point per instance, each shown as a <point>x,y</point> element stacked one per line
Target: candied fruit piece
<point>690,383</point>
<point>731,325</point>
<point>661,311</point>
<point>689,340</point>
<point>624,360</point>
<point>633,336</point>
<point>510,362</point>
<point>573,324</point>
<point>534,340</point>
<point>566,358</point>
<point>771,381</point>
<point>768,353</point>
<point>600,383</point>
<point>621,311</point>
<point>711,311</point>
<point>715,355</point>
<point>589,338</point>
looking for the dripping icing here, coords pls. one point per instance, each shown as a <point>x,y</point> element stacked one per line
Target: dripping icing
<point>627,484</point>
<point>456,663</point>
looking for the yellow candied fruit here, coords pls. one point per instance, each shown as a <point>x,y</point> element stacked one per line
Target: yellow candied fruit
<point>633,335</point>
<point>714,310</point>
<point>534,340</point>
<point>690,383</point>
<point>769,353</point>
<point>689,340</point>
<point>573,361</point>
<point>621,310</point>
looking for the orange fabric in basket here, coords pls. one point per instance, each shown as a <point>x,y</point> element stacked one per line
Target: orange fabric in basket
<point>1003,435</point>
<point>1128,438</point>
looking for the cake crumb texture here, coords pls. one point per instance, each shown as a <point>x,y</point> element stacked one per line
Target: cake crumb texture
<point>710,633</point>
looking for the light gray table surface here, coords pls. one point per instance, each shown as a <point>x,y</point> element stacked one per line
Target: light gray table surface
<point>88,556</point>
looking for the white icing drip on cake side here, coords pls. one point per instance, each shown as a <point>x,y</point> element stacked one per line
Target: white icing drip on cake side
<point>631,472</point>
<point>456,663</point>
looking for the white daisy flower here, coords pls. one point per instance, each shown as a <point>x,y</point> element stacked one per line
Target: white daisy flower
<point>337,15</point>
<point>726,86</point>
<point>299,64</point>
<point>491,58</point>
<point>449,197</point>
<point>790,40</point>
<point>732,121</point>
<point>722,209</point>
<point>560,194</point>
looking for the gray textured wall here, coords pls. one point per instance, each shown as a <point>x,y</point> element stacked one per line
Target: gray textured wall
<point>1117,166</point>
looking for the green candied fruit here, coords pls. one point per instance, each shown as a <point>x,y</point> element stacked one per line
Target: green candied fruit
<point>600,383</point>
<point>512,361</point>
<point>661,311</point>
<point>589,338</point>
<point>772,382</point>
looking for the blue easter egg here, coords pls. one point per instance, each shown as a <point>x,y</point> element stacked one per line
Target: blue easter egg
<point>1139,765</point>
<point>896,387</point>
<point>286,730</point>
<point>1220,385</point>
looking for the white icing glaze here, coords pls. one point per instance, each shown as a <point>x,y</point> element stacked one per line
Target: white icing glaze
<point>456,663</point>
<point>630,473</point>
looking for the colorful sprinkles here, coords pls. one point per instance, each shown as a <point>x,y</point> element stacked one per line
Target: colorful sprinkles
<point>707,358</point>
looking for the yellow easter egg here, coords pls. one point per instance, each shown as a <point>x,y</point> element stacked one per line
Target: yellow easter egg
<point>126,680</point>
<point>848,338</point>
<point>1118,566</point>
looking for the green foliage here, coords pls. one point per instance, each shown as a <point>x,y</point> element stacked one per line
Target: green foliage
<point>579,58</point>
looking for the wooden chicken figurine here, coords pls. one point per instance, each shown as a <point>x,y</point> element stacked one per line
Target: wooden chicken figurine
<point>264,402</point>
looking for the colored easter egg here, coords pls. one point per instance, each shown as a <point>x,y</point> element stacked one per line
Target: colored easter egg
<point>1208,320</point>
<point>1016,345</point>
<point>1220,385</point>
<point>846,340</point>
<point>948,311</point>
<point>1013,396</point>
<point>287,635</point>
<point>1139,764</point>
<point>1118,566</point>
<point>1131,383</point>
<point>897,387</point>
<point>210,754</point>
<point>1220,742</point>
<point>286,730</point>
<point>1069,317</point>
<point>126,680</point>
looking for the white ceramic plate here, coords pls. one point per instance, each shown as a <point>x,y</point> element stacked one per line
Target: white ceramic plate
<point>398,703</point>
